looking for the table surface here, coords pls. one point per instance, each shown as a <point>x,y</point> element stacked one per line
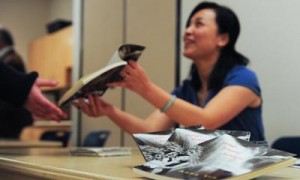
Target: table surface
<point>5,143</point>
<point>57,163</point>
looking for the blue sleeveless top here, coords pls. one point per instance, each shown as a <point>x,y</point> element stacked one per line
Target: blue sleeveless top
<point>250,119</point>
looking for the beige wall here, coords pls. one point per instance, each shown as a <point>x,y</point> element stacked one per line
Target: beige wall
<point>27,19</point>
<point>60,9</point>
<point>153,24</point>
<point>150,23</point>
<point>103,33</point>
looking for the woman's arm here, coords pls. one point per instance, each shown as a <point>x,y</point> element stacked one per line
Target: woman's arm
<point>97,107</point>
<point>228,103</point>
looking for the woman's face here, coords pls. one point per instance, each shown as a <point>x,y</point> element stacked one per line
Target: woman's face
<point>201,38</point>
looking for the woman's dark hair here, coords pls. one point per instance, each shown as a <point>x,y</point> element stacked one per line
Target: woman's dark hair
<point>228,23</point>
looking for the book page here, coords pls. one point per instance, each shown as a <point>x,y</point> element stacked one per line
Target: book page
<point>125,53</point>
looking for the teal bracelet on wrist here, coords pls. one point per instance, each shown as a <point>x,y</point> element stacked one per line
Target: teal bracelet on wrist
<point>168,104</point>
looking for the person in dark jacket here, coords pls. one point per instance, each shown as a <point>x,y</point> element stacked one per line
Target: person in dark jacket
<point>13,118</point>
<point>20,96</point>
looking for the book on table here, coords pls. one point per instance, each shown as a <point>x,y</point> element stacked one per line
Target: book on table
<point>151,144</point>
<point>155,145</point>
<point>212,155</point>
<point>97,81</point>
<point>100,151</point>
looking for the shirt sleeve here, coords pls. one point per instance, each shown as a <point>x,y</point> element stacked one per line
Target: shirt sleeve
<point>243,77</point>
<point>15,86</point>
<point>186,92</point>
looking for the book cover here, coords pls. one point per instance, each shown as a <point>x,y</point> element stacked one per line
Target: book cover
<point>186,138</point>
<point>159,145</point>
<point>96,82</point>
<point>151,144</point>
<point>221,157</point>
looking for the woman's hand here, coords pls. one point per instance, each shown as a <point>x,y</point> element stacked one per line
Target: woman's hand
<point>94,106</point>
<point>135,78</point>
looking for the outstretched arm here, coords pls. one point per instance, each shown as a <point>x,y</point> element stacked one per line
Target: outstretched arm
<point>39,105</point>
<point>23,90</point>
<point>94,106</point>
<point>227,104</point>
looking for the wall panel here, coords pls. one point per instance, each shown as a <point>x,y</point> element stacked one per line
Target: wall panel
<point>152,23</point>
<point>103,33</point>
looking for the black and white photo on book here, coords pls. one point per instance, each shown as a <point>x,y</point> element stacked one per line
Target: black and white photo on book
<point>222,157</point>
<point>158,145</point>
<point>151,144</point>
<point>188,137</point>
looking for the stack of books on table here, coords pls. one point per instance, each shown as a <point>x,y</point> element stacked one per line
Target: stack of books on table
<point>196,153</point>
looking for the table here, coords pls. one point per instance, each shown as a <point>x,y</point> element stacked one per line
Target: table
<point>28,144</point>
<point>57,163</point>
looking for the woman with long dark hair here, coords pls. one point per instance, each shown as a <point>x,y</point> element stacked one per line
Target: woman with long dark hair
<point>221,92</point>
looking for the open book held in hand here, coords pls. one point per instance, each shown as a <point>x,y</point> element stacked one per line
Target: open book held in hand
<point>96,82</point>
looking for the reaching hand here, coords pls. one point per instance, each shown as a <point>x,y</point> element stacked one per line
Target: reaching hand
<point>135,78</point>
<point>39,105</point>
<point>94,106</point>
